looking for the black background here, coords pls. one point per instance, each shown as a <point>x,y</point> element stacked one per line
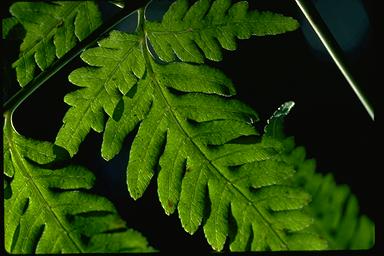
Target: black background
<point>267,71</point>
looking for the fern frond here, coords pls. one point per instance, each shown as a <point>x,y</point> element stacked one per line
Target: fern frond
<point>188,124</point>
<point>335,208</point>
<point>192,33</point>
<point>51,210</point>
<point>52,29</point>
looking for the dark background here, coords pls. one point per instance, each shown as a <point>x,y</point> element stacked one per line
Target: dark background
<point>267,71</point>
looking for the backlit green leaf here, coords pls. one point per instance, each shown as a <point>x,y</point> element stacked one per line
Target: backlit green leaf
<point>192,33</point>
<point>52,29</point>
<point>52,210</point>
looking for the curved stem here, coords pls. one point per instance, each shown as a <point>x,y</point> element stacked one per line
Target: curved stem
<point>333,49</point>
<point>39,80</point>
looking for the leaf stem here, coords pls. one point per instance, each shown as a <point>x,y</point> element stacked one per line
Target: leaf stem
<point>322,31</point>
<point>18,98</point>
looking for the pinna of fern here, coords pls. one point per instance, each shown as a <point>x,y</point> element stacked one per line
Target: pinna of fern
<point>49,208</point>
<point>51,30</point>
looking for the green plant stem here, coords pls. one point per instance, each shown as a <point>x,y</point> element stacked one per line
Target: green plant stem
<point>333,49</point>
<point>12,104</point>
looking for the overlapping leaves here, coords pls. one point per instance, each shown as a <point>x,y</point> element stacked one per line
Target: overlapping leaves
<point>48,209</point>
<point>52,29</point>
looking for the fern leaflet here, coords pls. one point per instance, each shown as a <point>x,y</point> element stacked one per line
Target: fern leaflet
<point>118,64</point>
<point>202,169</point>
<point>191,34</point>
<point>50,211</point>
<point>51,31</point>
<point>8,24</point>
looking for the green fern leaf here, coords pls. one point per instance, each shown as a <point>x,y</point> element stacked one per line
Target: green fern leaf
<point>117,66</point>
<point>187,125</point>
<point>8,24</point>
<point>50,210</point>
<point>51,31</point>
<point>201,30</point>
<point>335,208</point>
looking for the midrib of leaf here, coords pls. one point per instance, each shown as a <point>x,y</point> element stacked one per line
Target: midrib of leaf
<point>21,163</point>
<point>191,30</point>
<point>117,66</point>
<point>201,151</point>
